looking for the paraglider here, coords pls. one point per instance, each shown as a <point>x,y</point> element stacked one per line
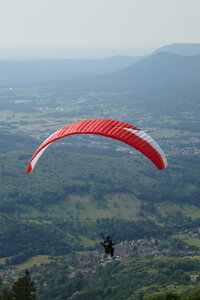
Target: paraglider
<point>108,245</point>
<point>124,132</point>
<point>121,131</point>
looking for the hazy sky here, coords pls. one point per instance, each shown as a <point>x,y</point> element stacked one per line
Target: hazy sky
<point>96,27</point>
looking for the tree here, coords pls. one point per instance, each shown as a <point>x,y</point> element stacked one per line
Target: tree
<point>6,295</point>
<point>194,296</point>
<point>23,288</point>
<point>166,296</point>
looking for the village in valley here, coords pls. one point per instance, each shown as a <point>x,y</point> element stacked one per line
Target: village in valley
<point>87,262</point>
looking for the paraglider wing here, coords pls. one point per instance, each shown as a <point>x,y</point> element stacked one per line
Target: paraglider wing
<point>123,132</point>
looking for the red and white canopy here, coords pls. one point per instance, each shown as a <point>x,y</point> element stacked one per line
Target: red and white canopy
<point>121,131</point>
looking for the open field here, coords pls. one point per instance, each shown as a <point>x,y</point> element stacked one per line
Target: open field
<point>193,242</point>
<point>34,261</point>
<point>83,208</point>
<point>171,207</point>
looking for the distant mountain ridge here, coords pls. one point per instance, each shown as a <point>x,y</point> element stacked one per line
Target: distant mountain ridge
<point>37,71</point>
<point>153,72</point>
<point>187,49</point>
<point>19,73</point>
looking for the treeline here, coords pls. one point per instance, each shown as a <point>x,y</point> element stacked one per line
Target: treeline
<point>130,230</point>
<point>174,296</point>
<point>176,222</point>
